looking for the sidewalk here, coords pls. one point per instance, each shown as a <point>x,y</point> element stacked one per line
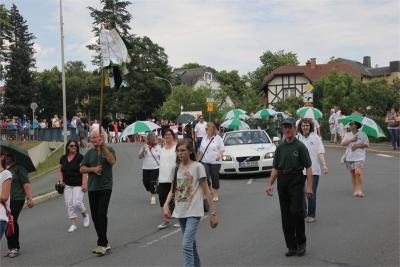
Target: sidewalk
<point>385,148</point>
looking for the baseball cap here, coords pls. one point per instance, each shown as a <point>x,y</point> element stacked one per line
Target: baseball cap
<point>290,122</point>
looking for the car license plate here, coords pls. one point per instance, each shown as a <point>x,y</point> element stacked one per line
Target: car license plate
<point>247,164</point>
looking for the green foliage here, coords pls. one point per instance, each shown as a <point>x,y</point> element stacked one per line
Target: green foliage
<point>193,65</point>
<point>270,61</point>
<point>19,83</point>
<point>291,104</point>
<point>4,25</point>
<point>191,100</point>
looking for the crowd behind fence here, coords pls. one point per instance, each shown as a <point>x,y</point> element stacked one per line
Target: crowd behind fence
<point>45,134</point>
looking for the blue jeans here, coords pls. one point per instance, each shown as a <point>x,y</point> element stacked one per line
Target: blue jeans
<point>189,227</point>
<point>395,137</point>
<point>3,228</point>
<point>311,203</point>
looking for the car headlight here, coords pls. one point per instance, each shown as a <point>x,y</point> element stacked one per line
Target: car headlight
<point>269,155</point>
<point>226,158</point>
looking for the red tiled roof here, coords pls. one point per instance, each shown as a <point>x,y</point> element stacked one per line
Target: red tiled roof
<point>319,71</point>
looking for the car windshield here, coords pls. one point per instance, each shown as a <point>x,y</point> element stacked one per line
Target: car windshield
<point>246,138</point>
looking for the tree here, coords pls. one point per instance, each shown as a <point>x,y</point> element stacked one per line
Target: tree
<point>4,25</point>
<point>193,65</point>
<point>185,96</point>
<point>270,61</point>
<point>291,104</point>
<point>19,83</point>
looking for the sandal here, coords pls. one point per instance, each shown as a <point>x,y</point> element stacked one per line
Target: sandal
<point>13,253</point>
<point>7,253</point>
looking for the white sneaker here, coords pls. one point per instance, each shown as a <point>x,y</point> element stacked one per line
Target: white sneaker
<point>72,228</point>
<point>177,225</point>
<point>153,200</point>
<point>86,220</point>
<point>310,219</point>
<point>163,225</point>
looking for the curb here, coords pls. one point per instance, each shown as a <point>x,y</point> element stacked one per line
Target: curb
<point>368,149</point>
<point>42,198</point>
<point>43,174</point>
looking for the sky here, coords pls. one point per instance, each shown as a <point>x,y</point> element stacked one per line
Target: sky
<point>228,35</point>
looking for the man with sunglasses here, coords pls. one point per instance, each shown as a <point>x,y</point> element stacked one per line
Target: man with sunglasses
<point>291,157</point>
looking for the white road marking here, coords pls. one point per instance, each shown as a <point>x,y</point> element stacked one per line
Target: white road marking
<point>384,155</point>
<point>250,181</point>
<point>166,235</point>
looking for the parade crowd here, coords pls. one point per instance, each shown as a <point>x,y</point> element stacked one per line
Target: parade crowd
<point>180,171</point>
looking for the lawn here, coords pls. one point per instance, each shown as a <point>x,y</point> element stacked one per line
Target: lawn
<point>49,164</point>
<point>26,144</point>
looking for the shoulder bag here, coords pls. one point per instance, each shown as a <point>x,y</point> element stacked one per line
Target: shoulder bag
<point>156,185</point>
<point>10,225</point>
<point>206,149</point>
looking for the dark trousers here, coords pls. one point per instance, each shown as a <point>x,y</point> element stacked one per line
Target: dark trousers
<point>212,172</point>
<point>16,207</point>
<point>291,195</point>
<point>98,201</point>
<point>150,178</point>
<point>197,143</point>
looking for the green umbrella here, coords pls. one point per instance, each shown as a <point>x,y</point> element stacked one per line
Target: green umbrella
<point>140,127</point>
<point>309,112</point>
<point>21,155</point>
<point>235,124</point>
<point>370,127</point>
<point>234,114</point>
<point>185,118</point>
<point>265,113</point>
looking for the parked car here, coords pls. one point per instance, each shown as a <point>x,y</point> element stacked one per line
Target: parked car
<point>247,151</point>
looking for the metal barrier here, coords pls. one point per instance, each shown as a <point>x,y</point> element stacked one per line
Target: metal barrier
<point>45,134</point>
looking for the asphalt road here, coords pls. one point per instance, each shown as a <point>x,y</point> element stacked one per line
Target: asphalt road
<point>348,232</point>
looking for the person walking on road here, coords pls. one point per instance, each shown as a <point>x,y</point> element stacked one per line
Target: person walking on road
<point>75,184</point>
<point>97,163</point>
<point>199,131</point>
<point>316,150</point>
<point>356,142</point>
<point>291,157</point>
<point>20,190</point>
<point>210,154</point>
<point>188,191</point>
<point>167,167</point>
<point>5,187</point>
<point>150,153</point>
<point>393,125</point>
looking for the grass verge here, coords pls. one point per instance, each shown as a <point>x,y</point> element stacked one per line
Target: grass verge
<point>26,144</point>
<point>50,163</point>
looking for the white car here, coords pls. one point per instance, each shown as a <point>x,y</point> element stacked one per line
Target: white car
<point>247,151</point>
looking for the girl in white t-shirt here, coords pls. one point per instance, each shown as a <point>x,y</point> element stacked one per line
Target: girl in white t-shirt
<point>5,186</point>
<point>313,142</point>
<point>356,142</point>
<point>150,153</point>
<point>189,188</point>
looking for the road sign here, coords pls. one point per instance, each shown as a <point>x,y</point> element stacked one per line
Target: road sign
<point>34,106</point>
<point>210,107</point>
<point>309,87</point>
<point>308,97</point>
<point>210,100</point>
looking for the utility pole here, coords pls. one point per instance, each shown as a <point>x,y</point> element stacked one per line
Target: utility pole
<point>63,79</point>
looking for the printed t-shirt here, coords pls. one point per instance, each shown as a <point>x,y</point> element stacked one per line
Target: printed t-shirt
<point>188,193</point>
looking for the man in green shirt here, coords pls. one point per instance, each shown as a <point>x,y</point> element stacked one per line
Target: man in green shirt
<point>97,163</point>
<point>291,157</point>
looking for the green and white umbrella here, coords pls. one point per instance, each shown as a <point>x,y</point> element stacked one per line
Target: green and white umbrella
<point>140,127</point>
<point>235,124</point>
<point>235,114</point>
<point>309,112</point>
<point>265,113</point>
<point>369,126</point>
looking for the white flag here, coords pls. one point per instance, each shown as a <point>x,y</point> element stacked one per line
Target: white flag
<point>113,49</point>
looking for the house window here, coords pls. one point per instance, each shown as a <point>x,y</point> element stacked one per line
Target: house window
<point>288,92</point>
<point>208,77</point>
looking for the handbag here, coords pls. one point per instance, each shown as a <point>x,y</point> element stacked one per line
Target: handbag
<point>59,188</point>
<point>10,225</point>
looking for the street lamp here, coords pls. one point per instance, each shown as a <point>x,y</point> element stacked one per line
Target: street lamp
<point>161,78</point>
